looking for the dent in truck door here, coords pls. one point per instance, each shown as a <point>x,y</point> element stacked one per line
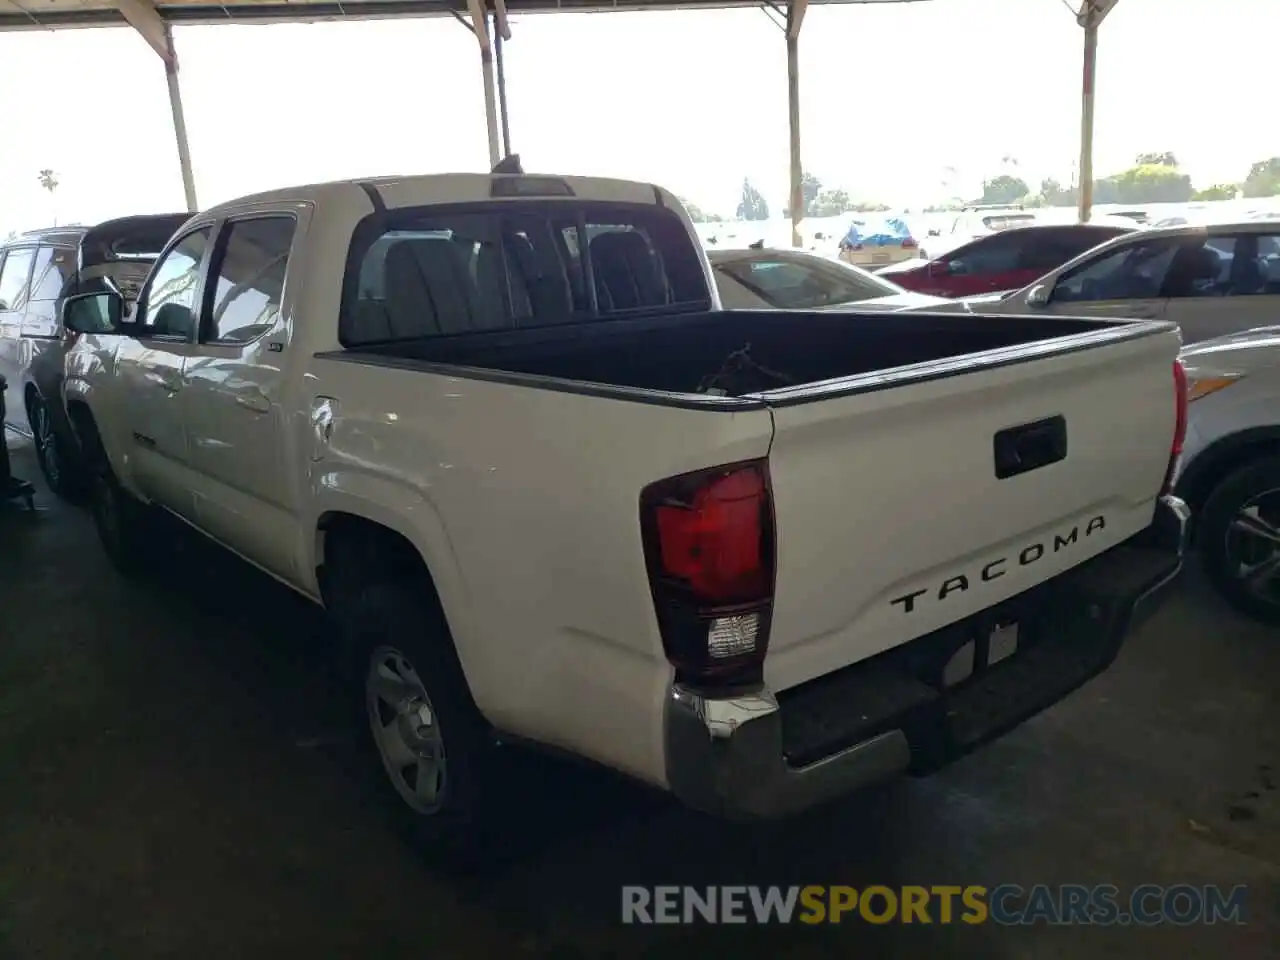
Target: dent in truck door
<point>233,414</point>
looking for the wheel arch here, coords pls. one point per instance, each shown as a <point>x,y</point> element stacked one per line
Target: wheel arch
<point>1221,458</point>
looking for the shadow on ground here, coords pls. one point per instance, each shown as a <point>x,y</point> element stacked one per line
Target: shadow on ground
<point>180,777</point>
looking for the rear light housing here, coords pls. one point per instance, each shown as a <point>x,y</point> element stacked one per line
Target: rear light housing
<point>1179,424</point>
<point>909,244</point>
<point>709,548</point>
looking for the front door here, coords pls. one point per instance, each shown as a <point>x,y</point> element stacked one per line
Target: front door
<point>151,365</point>
<point>1122,284</point>
<point>235,415</point>
<point>15,285</point>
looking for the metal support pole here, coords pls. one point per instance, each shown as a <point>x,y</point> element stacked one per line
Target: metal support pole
<point>502,89</point>
<point>795,18</point>
<point>480,27</point>
<point>490,107</point>
<point>179,122</point>
<point>1085,192</point>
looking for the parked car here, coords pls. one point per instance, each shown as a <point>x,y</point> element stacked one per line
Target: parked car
<point>874,240</point>
<point>552,493</point>
<point>37,271</point>
<point>1210,280</point>
<point>974,222</point>
<point>759,278</point>
<point>1002,261</point>
<point>1230,467</point>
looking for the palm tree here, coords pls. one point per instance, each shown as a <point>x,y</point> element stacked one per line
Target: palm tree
<point>49,180</point>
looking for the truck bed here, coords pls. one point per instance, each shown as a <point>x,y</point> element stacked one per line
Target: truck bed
<point>733,353</point>
<point>923,467</point>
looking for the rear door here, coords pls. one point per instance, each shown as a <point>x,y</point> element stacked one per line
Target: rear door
<point>892,518</point>
<point>1229,285</point>
<point>235,421</point>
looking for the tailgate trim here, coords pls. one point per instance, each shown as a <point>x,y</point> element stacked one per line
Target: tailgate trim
<point>893,377</point>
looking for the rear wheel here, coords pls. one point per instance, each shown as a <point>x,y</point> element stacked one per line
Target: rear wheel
<point>428,745</point>
<point>1239,538</point>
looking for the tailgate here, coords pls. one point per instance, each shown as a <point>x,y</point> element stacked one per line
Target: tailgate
<point>891,519</point>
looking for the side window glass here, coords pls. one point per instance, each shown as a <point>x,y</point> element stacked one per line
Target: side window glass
<point>1202,269</point>
<point>248,274</point>
<point>1041,252</point>
<point>1135,272</point>
<point>169,298</point>
<point>990,256</point>
<point>15,274</point>
<point>1266,258</point>
<point>54,267</point>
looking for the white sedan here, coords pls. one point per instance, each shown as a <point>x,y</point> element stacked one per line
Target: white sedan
<point>1211,280</point>
<point>764,279</point>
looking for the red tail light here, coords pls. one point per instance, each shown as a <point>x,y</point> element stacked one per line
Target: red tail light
<point>708,541</point>
<point>1179,423</point>
<point>909,244</point>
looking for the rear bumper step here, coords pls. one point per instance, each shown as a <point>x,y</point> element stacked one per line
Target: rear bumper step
<point>761,755</point>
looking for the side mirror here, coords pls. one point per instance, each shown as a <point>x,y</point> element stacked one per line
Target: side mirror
<point>935,232</point>
<point>1038,296</point>
<point>940,268</point>
<point>92,313</point>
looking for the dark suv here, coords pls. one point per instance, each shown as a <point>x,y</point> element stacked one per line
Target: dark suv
<point>39,269</point>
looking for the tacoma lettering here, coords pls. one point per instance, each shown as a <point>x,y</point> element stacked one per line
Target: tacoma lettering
<point>959,583</point>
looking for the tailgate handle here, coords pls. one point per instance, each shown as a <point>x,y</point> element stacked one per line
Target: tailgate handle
<point>1030,446</point>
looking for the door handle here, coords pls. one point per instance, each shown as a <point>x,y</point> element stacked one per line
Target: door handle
<point>254,399</point>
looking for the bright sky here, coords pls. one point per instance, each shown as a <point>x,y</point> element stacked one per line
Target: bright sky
<point>891,95</point>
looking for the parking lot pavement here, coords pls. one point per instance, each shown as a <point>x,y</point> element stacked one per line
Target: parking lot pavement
<point>178,780</point>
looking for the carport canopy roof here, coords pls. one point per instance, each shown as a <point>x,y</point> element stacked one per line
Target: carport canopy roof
<point>52,14</point>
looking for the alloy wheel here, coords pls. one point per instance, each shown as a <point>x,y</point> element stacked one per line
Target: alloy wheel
<point>47,445</point>
<point>1253,547</point>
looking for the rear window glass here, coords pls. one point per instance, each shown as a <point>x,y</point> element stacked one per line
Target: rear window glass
<point>1004,221</point>
<point>886,228</point>
<point>426,273</point>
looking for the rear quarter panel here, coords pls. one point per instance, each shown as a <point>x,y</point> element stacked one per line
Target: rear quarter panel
<point>525,504</point>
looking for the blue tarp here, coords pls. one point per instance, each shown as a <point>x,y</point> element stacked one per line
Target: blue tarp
<point>882,232</point>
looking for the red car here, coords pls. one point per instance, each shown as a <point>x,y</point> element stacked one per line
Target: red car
<point>1008,260</point>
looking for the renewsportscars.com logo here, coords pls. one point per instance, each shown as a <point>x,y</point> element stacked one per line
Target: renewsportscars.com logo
<point>1007,904</point>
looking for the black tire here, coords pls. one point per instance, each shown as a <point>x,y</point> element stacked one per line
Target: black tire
<point>1221,548</point>
<point>61,467</point>
<point>126,526</point>
<point>380,616</point>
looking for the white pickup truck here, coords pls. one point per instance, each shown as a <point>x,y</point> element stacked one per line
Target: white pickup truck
<point>553,494</point>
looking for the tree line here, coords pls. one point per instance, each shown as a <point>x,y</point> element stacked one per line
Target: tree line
<point>1153,178</point>
<point>818,202</point>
